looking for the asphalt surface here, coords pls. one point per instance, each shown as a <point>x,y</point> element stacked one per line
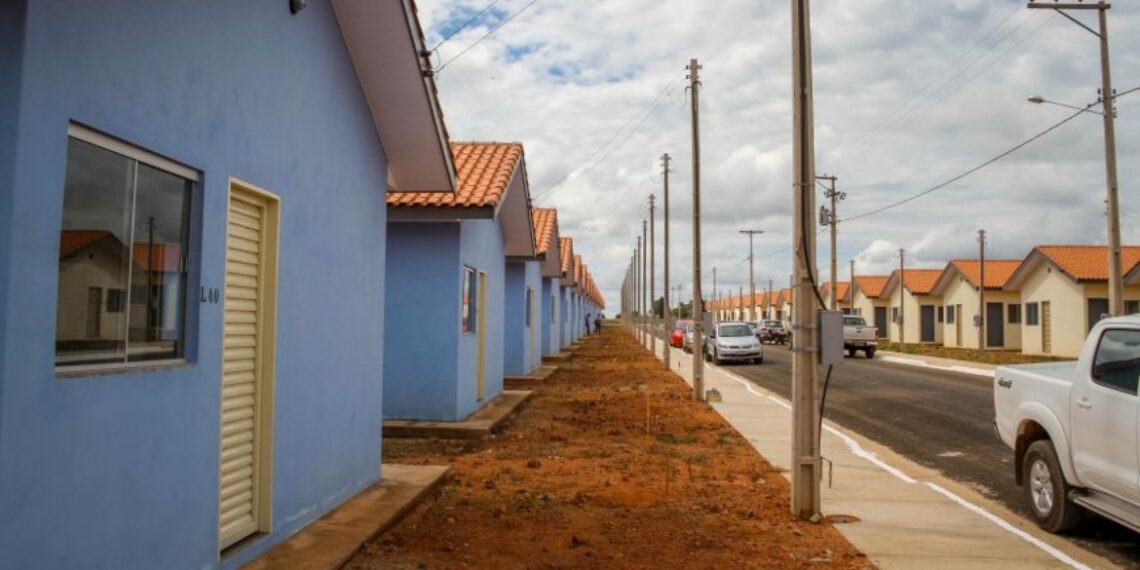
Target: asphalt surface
<point>939,419</point>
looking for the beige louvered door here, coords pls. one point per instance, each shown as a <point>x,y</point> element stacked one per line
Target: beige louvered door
<point>249,273</point>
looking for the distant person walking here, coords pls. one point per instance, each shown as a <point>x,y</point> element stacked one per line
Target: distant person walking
<point>598,324</point>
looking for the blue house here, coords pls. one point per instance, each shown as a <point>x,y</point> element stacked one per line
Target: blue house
<point>569,297</point>
<point>548,250</point>
<point>446,302</point>
<point>192,203</point>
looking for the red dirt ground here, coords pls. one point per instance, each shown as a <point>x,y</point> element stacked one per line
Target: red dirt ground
<point>576,481</point>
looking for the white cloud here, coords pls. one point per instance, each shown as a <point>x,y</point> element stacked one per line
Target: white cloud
<point>948,78</point>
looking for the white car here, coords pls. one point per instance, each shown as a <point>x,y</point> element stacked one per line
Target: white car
<point>1072,427</point>
<point>733,341</point>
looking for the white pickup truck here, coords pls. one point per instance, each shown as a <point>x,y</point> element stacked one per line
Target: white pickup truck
<point>1073,429</point>
<point>857,335</point>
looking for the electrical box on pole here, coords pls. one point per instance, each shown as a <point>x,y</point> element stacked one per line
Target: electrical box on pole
<point>831,338</point>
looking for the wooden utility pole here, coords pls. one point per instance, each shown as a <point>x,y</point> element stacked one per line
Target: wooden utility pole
<point>851,289</point>
<point>652,279</point>
<point>768,301</point>
<point>751,273</point>
<point>665,284</point>
<point>982,340</point>
<point>645,281</point>
<point>1108,98</point>
<point>830,218</point>
<point>698,310</point>
<point>637,288</point>
<point>805,382</point>
<point>902,297</point>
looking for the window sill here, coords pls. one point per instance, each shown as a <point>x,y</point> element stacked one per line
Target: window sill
<point>116,369</point>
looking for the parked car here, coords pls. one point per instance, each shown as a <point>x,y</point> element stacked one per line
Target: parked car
<point>1072,429</point>
<point>772,332</point>
<point>677,336</point>
<point>857,335</point>
<point>733,341</point>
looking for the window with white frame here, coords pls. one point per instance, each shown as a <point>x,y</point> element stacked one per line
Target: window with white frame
<point>527,309</point>
<point>470,290</point>
<point>123,254</point>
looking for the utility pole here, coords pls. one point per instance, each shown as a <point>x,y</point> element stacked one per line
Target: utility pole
<point>829,217</point>
<point>805,382</point>
<point>1108,98</point>
<point>902,297</point>
<point>751,273</point>
<point>768,300</point>
<point>716,292</point>
<point>698,311</point>
<point>740,304</point>
<point>851,289</point>
<point>982,340</point>
<point>652,277</point>
<point>645,280</point>
<point>665,285</point>
<point>637,288</point>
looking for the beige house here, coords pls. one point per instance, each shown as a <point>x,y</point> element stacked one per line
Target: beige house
<point>843,292</point>
<point>869,303</point>
<point>1064,292</point>
<point>959,288</point>
<point>914,311</point>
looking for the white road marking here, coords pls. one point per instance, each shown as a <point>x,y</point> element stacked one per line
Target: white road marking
<point>858,450</point>
<point>925,364</point>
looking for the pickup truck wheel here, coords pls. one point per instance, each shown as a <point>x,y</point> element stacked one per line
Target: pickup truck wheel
<point>869,353</point>
<point>1046,490</point>
<point>851,352</point>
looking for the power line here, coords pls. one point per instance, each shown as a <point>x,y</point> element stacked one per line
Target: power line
<point>462,27</point>
<point>944,85</point>
<point>588,164</point>
<point>485,36</point>
<point>1008,152</point>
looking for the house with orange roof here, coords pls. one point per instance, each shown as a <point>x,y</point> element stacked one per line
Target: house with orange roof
<point>784,302</point>
<point>447,292</point>
<point>915,312</point>
<point>569,300</point>
<point>959,286</point>
<point>842,294</point>
<point>1064,292</point>
<point>548,249</point>
<point>192,275</point>
<point>868,301</point>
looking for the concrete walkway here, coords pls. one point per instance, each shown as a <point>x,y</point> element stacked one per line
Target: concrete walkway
<point>330,542</point>
<point>963,366</point>
<point>908,516</point>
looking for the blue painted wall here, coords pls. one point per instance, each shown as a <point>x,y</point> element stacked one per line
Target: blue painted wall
<point>482,247</point>
<point>11,62</point>
<point>551,319</point>
<point>422,321</point>
<point>522,344</point>
<point>568,321</point>
<point>120,471</point>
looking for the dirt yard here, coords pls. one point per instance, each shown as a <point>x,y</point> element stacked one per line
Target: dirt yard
<point>577,481</point>
<point>989,356</point>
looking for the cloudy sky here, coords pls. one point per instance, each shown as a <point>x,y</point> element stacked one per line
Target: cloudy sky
<point>908,94</point>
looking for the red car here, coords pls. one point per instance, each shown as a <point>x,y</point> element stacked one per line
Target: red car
<point>677,339</point>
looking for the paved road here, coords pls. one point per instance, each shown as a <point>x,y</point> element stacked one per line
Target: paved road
<point>939,419</point>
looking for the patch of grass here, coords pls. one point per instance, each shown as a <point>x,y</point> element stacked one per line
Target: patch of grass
<point>970,355</point>
<point>676,439</point>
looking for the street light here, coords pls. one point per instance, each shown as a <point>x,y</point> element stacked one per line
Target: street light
<point>1107,96</point>
<point>1037,100</point>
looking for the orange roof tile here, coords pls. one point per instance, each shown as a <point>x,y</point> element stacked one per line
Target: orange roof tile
<point>566,254</point>
<point>1088,262</point>
<point>577,269</point>
<point>871,285</point>
<point>998,271</point>
<point>71,241</point>
<point>919,281</point>
<point>484,169</point>
<point>841,286</point>
<point>545,223</point>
